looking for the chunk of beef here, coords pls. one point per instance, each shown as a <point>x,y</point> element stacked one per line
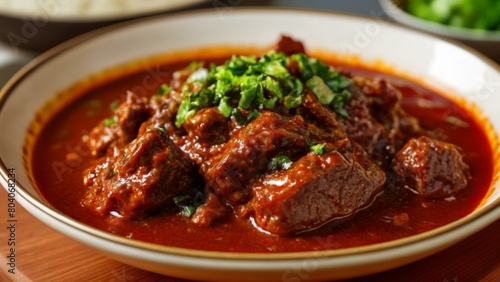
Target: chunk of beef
<point>323,126</point>
<point>163,109</point>
<point>289,46</point>
<point>148,173</point>
<point>249,151</point>
<point>211,211</point>
<point>434,169</point>
<point>208,126</point>
<point>315,190</point>
<point>385,104</point>
<point>364,129</point>
<point>127,119</point>
<point>206,129</point>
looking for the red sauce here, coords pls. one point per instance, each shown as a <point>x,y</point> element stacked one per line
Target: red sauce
<point>60,179</point>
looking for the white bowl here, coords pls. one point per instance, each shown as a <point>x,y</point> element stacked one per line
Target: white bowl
<point>487,42</point>
<point>90,10</point>
<point>415,54</point>
<point>33,25</point>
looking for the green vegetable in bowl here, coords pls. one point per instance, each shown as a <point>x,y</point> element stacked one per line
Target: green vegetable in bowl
<point>473,14</point>
<point>253,83</point>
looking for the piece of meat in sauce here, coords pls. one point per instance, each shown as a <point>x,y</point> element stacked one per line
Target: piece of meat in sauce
<point>164,107</point>
<point>122,128</point>
<point>432,168</point>
<point>206,131</point>
<point>249,151</point>
<point>365,130</point>
<point>315,190</point>
<point>323,124</point>
<point>212,211</point>
<point>143,179</point>
<point>376,119</point>
<point>385,105</point>
<point>289,46</point>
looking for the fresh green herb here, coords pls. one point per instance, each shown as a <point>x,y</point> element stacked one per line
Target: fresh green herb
<point>184,112</point>
<point>338,102</point>
<point>238,65</point>
<point>281,162</point>
<point>253,115</point>
<point>224,107</point>
<point>291,101</point>
<point>304,65</point>
<point>252,84</point>
<point>110,121</point>
<point>188,204</point>
<point>273,86</point>
<point>239,117</point>
<point>320,89</point>
<point>270,103</point>
<point>161,129</point>
<point>318,149</point>
<point>114,105</point>
<point>251,92</point>
<point>164,89</point>
<point>188,211</point>
<point>193,66</point>
<point>181,200</point>
<point>276,69</point>
<point>474,14</point>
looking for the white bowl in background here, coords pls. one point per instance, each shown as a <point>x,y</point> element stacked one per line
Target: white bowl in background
<point>36,26</point>
<point>487,42</point>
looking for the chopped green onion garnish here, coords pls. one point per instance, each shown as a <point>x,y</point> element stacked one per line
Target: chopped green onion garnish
<point>338,102</point>
<point>164,89</point>
<point>253,115</point>
<point>239,117</point>
<point>224,107</point>
<point>273,87</point>
<point>114,105</point>
<point>318,149</point>
<point>250,83</point>
<point>188,211</point>
<point>110,121</point>
<point>293,102</point>
<point>184,112</point>
<point>320,89</point>
<point>161,129</point>
<point>276,69</point>
<point>279,163</point>
<point>188,204</point>
<point>270,103</point>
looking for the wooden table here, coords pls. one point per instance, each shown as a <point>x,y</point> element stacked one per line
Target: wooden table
<point>42,254</point>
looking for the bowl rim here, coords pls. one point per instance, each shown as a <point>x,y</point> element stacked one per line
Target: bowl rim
<point>47,209</point>
<point>414,22</point>
<point>164,6</point>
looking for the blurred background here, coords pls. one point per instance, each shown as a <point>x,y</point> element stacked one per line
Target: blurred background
<point>30,27</point>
